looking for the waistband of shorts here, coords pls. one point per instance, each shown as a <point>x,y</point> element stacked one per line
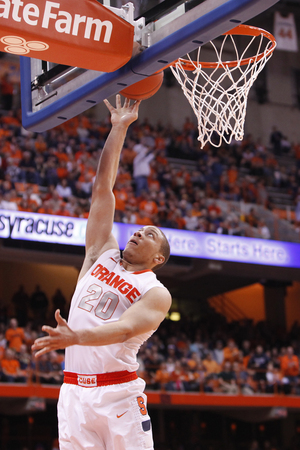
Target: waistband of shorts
<point>100,379</point>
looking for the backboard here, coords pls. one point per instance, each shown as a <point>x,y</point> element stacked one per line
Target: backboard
<point>164,31</point>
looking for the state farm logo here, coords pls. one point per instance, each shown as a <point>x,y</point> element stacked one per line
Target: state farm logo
<point>48,15</point>
<point>19,46</point>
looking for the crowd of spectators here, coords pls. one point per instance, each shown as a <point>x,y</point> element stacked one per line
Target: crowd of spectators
<point>204,355</point>
<point>18,365</point>
<point>211,355</point>
<point>53,172</point>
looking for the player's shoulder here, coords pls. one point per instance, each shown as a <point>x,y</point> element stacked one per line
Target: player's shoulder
<point>159,296</point>
<point>111,253</point>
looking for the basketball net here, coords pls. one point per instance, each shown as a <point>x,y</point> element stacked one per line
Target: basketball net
<point>218,91</point>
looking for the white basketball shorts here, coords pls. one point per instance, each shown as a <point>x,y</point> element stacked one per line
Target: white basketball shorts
<point>110,417</point>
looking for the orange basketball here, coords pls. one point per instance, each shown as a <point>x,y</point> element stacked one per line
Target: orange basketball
<point>145,88</point>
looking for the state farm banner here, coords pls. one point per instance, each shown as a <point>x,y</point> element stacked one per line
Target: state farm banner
<point>79,33</point>
<point>71,231</point>
<point>285,32</point>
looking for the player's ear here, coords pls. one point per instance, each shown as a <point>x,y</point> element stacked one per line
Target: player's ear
<point>159,259</point>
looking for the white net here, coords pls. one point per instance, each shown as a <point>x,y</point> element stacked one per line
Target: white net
<point>218,92</point>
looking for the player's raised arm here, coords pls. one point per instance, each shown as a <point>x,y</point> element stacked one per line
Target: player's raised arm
<point>98,234</point>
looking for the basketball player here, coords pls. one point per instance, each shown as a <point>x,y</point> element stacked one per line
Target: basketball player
<point>118,303</point>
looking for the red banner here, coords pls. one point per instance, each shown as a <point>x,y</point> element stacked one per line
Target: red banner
<point>79,33</point>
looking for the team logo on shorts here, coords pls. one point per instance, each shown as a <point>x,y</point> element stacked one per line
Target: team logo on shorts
<point>19,46</point>
<point>87,380</point>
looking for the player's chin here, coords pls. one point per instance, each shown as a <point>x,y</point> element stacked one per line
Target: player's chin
<point>129,255</point>
<point>129,250</point>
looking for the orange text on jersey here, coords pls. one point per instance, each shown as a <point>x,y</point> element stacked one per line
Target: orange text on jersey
<point>111,279</point>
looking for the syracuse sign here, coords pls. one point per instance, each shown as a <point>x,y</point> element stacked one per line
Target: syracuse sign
<point>79,33</point>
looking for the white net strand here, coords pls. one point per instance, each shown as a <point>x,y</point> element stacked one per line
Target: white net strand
<point>219,96</point>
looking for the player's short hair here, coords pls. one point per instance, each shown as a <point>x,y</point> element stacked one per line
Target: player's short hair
<point>164,250</point>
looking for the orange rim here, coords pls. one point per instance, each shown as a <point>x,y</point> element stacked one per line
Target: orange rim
<point>241,30</point>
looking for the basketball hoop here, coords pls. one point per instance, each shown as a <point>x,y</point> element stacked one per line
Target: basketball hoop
<point>218,91</point>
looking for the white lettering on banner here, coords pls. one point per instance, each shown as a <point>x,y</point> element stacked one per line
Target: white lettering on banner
<point>5,9</point>
<point>250,252</point>
<point>63,21</point>
<point>17,4</point>
<point>181,243</point>
<point>87,381</point>
<point>72,230</point>
<point>31,10</point>
<point>90,22</point>
<point>47,13</point>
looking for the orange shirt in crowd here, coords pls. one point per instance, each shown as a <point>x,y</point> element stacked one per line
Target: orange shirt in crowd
<point>149,206</point>
<point>128,155</point>
<point>62,172</point>
<point>231,353</point>
<point>179,374</point>
<point>290,365</point>
<point>61,156</point>
<point>162,376</point>
<point>232,174</point>
<point>27,208</point>
<point>153,184</point>
<point>11,366</point>
<point>123,177</point>
<point>121,197</point>
<point>15,338</point>
<point>143,220</point>
<point>211,366</point>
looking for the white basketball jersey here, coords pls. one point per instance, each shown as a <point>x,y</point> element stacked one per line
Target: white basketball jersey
<point>101,297</point>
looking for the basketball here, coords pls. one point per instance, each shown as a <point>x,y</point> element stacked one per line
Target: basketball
<point>145,88</point>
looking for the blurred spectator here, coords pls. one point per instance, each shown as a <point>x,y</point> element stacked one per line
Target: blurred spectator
<point>212,368</point>
<point>10,368</point>
<point>290,368</point>
<point>6,202</point>
<point>275,141</point>
<point>218,352</point>
<point>41,369</point>
<point>227,380</point>
<point>7,92</point>
<point>191,221</point>
<point>274,379</point>
<point>56,368</point>
<point>15,335</point>
<point>28,169</point>
<point>63,189</point>
<point>179,378</point>
<point>259,363</point>
<point>3,343</point>
<point>24,358</point>
<point>231,352</point>
<point>141,167</point>
<point>162,378</point>
<point>263,230</point>
<point>252,218</point>
<point>59,302</point>
<point>20,299</point>
<point>39,304</point>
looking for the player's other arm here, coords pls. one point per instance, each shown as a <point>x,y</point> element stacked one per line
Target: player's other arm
<point>98,233</point>
<point>142,317</point>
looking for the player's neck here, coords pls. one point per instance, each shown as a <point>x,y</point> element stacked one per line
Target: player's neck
<point>133,267</point>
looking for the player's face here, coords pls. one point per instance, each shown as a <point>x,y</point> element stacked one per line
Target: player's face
<point>143,246</point>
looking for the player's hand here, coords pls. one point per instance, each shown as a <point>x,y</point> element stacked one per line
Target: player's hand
<point>58,338</point>
<point>125,114</point>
